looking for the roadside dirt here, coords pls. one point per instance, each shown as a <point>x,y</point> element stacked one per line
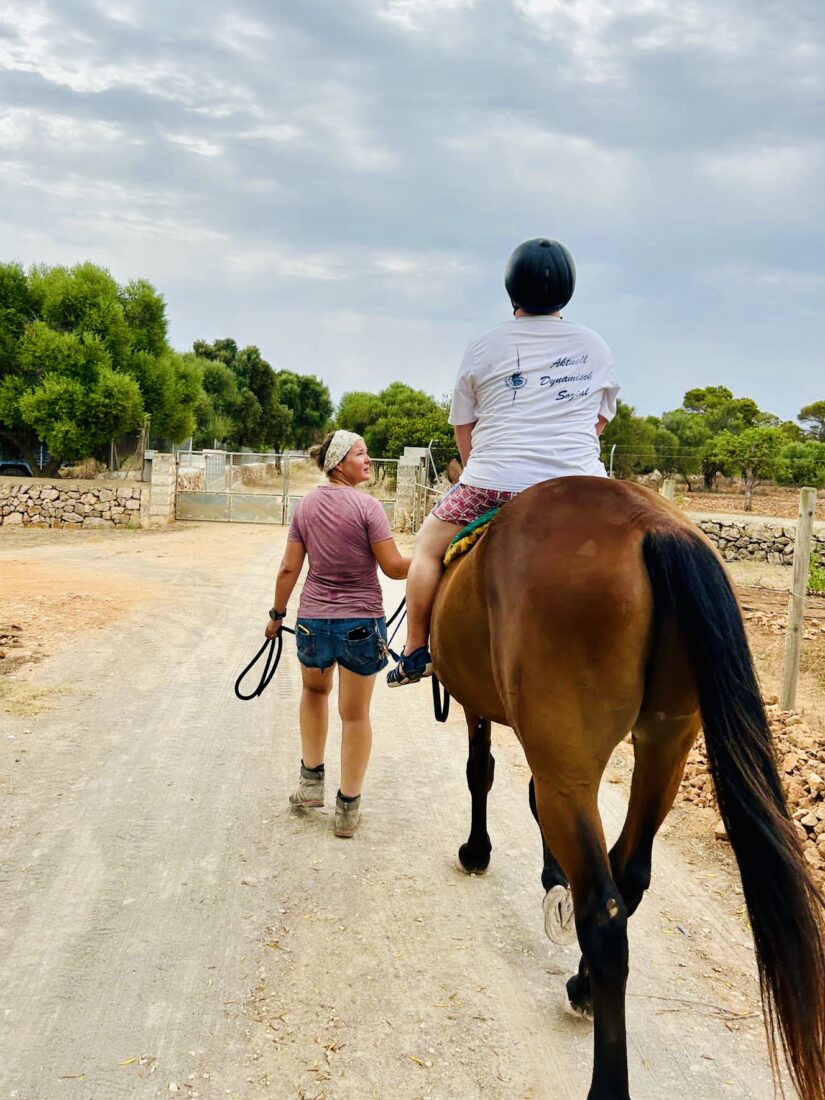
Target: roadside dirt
<point>167,921</point>
<point>768,500</point>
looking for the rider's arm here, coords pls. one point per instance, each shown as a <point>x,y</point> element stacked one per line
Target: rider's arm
<point>288,573</point>
<point>393,563</point>
<point>464,440</point>
<point>601,424</point>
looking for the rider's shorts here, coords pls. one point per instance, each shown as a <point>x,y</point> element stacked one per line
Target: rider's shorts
<point>358,645</point>
<point>464,503</point>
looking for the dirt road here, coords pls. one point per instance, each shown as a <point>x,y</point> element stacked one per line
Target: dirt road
<point>169,927</point>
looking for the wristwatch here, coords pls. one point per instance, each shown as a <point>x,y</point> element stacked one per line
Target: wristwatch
<point>276,615</point>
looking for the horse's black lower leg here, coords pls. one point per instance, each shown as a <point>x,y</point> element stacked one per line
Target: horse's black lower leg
<point>602,928</point>
<point>551,873</point>
<point>474,856</point>
<point>601,924</point>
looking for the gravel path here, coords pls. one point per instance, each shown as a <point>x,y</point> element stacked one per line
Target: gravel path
<point>168,926</point>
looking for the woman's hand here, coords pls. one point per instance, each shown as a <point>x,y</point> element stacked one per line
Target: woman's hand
<point>273,629</point>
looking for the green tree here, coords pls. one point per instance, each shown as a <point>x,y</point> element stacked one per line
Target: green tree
<point>813,418</point>
<point>802,463</point>
<point>753,454</point>
<point>82,360</point>
<point>358,410</point>
<point>635,440</point>
<point>308,400</point>
<point>691,433</point>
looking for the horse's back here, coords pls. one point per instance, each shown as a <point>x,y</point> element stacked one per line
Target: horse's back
<point>554,604</point>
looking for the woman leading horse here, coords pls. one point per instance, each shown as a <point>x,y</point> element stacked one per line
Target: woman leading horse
<point>591,607</point>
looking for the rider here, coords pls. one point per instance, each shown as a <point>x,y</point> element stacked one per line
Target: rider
<point>531,398</point>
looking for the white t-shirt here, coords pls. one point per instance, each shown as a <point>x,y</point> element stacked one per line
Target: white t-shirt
<point>535,386</point>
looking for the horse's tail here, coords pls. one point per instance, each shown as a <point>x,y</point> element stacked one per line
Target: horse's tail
<point>691,591</point>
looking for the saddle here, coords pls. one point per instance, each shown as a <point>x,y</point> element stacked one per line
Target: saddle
<point>468,536</point>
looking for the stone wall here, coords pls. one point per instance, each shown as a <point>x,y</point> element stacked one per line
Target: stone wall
<point>39,502</point>
<point>740,539</point>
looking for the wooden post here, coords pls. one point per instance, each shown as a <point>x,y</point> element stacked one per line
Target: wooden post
<point>796,601</point>
<point>668,488</point>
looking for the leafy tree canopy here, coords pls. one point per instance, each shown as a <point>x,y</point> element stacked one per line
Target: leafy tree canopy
<point>82,360</point>
<point>813,418</point>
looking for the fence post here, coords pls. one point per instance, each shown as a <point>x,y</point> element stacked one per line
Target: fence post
<point>668,489</point>
<point>796,600</point>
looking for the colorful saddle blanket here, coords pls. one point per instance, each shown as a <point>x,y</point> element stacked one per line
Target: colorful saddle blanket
<point>468,536</point>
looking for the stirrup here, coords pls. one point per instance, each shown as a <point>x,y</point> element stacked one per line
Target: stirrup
<point>402,674</point>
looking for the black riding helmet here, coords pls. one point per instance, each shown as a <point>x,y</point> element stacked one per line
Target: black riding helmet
<point>540,276</point>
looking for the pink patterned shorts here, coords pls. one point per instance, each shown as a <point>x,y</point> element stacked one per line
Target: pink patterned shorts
<point>464,503</point>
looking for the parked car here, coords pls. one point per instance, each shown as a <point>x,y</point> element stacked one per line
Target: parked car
<point>15,467</point>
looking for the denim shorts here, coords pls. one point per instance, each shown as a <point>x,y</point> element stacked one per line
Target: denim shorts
<point>325,642</point>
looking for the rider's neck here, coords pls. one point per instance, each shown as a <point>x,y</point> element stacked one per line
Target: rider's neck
<point>519,312</point>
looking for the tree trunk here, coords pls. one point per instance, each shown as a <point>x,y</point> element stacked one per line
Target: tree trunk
<point>750,482</point>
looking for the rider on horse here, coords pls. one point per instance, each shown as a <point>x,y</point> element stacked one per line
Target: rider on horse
<point>531,398</point>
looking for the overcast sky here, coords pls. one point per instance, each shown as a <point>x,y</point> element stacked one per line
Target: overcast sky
<point>341,181</point>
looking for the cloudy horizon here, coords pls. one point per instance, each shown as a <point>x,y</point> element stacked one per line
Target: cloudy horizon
<point>341,183</point>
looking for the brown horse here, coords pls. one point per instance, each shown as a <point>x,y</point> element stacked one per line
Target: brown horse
<point>589,608</point>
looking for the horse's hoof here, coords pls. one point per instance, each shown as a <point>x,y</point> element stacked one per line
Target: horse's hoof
<point>559,924</point>
<point>471,865</point>
<point>578,1012</point>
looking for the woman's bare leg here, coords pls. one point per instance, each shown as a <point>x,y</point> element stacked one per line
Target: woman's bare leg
<point>314,714</point>
<point>354,696</point>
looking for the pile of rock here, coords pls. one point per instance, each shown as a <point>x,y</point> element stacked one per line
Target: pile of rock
<point>800,754</point>
<point>191,479</point>
<point>66,505</point>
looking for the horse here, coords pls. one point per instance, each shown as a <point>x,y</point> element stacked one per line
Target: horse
<point>589,608</point>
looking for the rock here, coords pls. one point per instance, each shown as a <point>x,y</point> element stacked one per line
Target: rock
<point>720,832</point>
<point>790,761</point>
<point>809,820</point>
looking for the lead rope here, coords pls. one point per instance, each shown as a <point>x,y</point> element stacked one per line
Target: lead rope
<point>273,657</point>
<point>275,646</point>
<point>441,704</point>
<point>441,708</point>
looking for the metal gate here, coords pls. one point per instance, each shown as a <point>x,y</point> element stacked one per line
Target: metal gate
<point>240,487</point>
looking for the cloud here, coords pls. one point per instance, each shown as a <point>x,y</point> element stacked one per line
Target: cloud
<point>341,182</point>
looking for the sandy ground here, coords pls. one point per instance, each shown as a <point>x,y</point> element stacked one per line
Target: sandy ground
<point>168,926</point>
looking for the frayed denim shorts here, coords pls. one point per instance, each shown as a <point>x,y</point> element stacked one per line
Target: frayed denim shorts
<point>358,645</point>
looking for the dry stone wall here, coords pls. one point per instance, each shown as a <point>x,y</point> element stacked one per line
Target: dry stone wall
<point>740,539</point>
<point>40,503</point>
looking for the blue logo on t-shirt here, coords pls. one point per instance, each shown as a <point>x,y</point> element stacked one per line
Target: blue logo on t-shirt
<point>516,380</point>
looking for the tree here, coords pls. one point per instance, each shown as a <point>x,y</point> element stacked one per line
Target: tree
<point>753,454</point>
<point>802,463</point>
<point>358,410</point>
<point>309,401</point>
<point>692,433</point>
<point>634,438</point>
<point>82,361</point>
<point>813,418</point>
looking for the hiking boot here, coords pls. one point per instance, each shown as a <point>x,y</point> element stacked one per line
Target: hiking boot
<point>347,815</point>
<point>310,790</point>
<point>411,668</point>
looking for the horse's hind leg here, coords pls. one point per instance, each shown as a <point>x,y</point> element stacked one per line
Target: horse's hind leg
<point>661,745</point>
<point>474,856</point>
<point>558,902</point>
<point>568,812</point>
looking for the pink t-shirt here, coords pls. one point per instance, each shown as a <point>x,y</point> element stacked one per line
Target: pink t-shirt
<point>337,524</point>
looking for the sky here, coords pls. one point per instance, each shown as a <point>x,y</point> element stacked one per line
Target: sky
<point>340,182</point>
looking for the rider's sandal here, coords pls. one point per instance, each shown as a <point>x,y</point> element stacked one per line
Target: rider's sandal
<point>411,668</point>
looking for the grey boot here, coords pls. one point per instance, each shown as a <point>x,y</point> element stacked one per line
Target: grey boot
<point>310,790</point>
<point>347,815</point>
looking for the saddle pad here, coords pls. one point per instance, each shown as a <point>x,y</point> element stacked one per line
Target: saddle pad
<point>468,536</point>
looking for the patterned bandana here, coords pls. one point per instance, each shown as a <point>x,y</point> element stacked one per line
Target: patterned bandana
<point>339,447</point>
